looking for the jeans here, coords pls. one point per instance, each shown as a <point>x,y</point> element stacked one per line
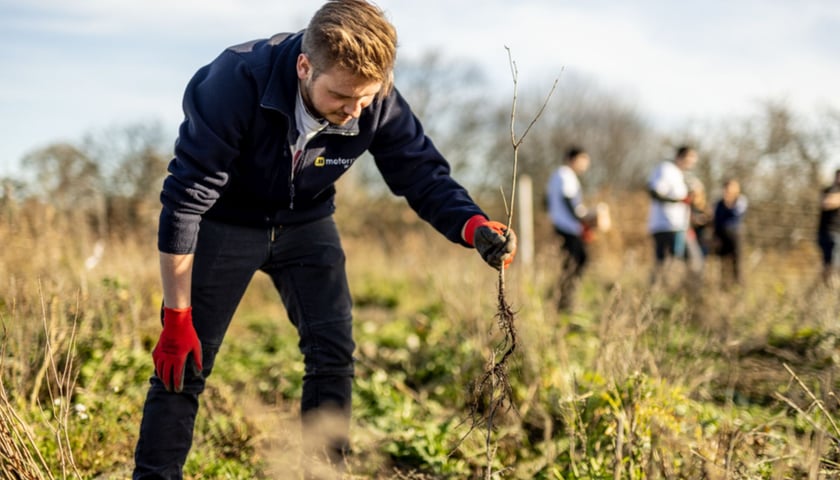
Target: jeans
<point>306,264</point>
<point>668,244</point>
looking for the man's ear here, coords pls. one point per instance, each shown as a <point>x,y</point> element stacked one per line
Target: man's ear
<point>304,68</point>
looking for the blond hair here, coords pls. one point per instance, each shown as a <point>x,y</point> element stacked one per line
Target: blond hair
<point>353,35</point>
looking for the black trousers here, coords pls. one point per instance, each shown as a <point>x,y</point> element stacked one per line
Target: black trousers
<point>729,242</point>
<point>306,264</point>
<point>574,262</point>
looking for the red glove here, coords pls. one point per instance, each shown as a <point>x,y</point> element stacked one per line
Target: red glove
<point>587,234</point>
<point>494,242</point>
<point>177,341</point>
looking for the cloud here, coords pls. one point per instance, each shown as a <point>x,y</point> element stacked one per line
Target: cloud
<point>155,18</point>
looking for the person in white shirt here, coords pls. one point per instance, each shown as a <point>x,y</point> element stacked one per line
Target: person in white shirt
<point>670,208</point>
<point>571,219</point>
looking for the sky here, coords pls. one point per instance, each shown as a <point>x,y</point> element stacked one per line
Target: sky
<point>73,67</point>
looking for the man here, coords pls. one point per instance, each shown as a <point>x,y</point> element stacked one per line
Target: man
<point>828,234</point>
<point>728,231</point>
<point>269,127</point>
<point>670,208</point>
<point>572,220</point>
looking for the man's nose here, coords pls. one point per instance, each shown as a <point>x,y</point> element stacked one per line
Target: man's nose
<point>353,108</point>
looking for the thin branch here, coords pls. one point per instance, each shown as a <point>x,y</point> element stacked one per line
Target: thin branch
<point>515,143</point>
<point>817,402</point>
<point>495,379</point>
<point>805,415</point>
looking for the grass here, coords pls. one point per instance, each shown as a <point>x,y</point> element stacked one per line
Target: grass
<point>671,382</point>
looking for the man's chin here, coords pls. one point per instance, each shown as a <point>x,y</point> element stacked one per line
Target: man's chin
<point>339,121</point>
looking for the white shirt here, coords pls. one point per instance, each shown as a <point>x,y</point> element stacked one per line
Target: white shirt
<point>668,181</point>
<point>307,127</point>
<point>564,183</point>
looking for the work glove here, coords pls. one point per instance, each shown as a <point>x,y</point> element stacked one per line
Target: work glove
<point>177,341</point>
<point>587,234</point>
<point>493,240</point>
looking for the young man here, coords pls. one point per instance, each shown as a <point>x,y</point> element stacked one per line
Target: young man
<point>269,127</point>
<point>828,234</point>
<point>571,220</point>
<point>670,207</point>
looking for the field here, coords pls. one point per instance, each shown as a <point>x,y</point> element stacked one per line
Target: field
<point>684,380</point>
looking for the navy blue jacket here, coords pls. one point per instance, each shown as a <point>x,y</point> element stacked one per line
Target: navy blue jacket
<point>233,163</point>
<point>729,219</point>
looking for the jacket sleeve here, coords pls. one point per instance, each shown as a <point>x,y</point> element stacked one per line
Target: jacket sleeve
<point>218,104</point>
<point>576,208</point>
<point>413,168</point>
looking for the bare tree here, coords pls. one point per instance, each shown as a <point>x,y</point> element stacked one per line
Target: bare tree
<point>779,158</point>
<point>620,143</point>
<point>132,157</point>
<point>69,180</point>
<point>113,177</point>
<point>133,162</point>
<point>64,174</point>
<point>450,98</point>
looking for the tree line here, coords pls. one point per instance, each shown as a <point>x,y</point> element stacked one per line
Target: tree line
<point>111,179</point>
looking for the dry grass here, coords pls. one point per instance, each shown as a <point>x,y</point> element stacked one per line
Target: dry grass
<point>726,351</point>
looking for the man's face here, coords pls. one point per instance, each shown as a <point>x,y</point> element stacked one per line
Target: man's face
<point>336,95</point>
<point>731,191</point>
<point>688,160</point>
<point>580,163</point>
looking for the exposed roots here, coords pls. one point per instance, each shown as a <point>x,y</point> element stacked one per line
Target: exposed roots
<point>492,393</point>
<point>494,385</point>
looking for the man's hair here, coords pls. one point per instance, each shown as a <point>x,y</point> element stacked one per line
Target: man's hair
<point>353,35</point>
<point>573,151</point>
<point>683,150</point>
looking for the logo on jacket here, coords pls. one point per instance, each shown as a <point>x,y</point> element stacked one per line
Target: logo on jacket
<point>322,161</point>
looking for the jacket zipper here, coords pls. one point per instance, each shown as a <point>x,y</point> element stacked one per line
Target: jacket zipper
<point>296,156</point>
<point>292,193</point>
<point>328,130</point>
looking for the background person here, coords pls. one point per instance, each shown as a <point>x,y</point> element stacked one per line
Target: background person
<point>700,216</point>
<point>669,214</point>
<point>828,232</point>
<point>572,221</point>
<point>729,231</point>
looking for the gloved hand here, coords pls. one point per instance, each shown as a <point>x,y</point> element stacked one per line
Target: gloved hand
<point>177,341</point>
<point>587,234</point>
<point>493,241</point>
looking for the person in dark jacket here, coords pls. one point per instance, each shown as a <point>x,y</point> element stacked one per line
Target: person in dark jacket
<point>729,231</point>
<point>269,126</point>
<point>828,233</point>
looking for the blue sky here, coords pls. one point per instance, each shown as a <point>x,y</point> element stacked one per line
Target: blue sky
<point>71,67</point>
